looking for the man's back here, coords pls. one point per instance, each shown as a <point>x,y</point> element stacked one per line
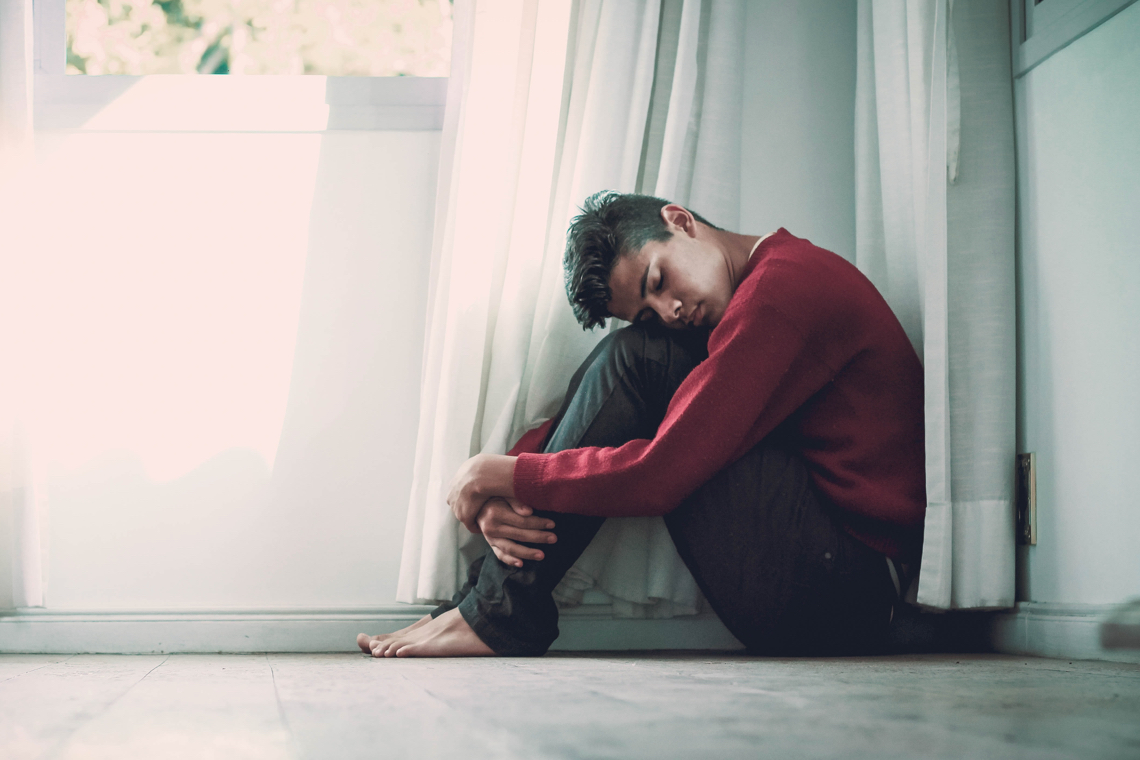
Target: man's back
<point>807,349</point>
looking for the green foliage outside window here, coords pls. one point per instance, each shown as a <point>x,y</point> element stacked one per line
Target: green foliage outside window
<point>330,37</point>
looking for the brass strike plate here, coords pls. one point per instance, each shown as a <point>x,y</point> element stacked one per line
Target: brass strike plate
<point>1027,499</point>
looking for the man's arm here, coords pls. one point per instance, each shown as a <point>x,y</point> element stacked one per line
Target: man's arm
<point>758,372</point>
<point>484,477</point>
<point>763,365</point>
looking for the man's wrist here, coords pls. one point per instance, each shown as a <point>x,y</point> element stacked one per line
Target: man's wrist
<point>499,476</point>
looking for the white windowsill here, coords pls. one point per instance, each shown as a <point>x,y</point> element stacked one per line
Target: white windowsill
<point>237,103</point>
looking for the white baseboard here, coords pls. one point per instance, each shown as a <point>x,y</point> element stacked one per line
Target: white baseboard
<point>40,631</point>
<point>1056,630</point>
<point>1033,628</point>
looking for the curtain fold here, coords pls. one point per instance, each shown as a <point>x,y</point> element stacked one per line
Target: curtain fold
<point>549,103</point>
<point>21,576</point>
<point>935,233</point>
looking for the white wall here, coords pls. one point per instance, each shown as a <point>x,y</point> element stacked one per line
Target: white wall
<point>1079,314</point>
<point>231,336</point>
<point>798,156</point>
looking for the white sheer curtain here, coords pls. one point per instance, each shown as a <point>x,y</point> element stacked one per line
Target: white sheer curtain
<point>548,103</point>
<point>935,232</point>
<point>20,562</point>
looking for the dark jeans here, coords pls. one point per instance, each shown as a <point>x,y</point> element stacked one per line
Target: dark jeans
<point>765,547</point>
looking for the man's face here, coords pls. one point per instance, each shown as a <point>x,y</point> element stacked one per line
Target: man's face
<point>682,282</point>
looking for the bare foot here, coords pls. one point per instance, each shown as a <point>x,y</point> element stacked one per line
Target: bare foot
<point>411,633</point>
<point>366,642</point>
<point>446,636</point>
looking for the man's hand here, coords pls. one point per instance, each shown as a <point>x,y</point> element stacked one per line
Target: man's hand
<point>504,523</point>
<point>482,477</point>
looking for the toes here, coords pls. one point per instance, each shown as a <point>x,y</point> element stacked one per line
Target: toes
<point>414,648</point>
<point>364,641</point>
<point>385,648</point>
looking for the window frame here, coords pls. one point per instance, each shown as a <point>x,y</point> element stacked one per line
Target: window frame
<point>1040,30</point>
<point>66,101</point>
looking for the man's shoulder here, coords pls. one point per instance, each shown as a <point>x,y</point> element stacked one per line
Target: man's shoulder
<point>794,274</point>
<point>817,293</point>
<point>796,256</point>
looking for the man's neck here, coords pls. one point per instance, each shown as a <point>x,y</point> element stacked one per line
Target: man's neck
<point>756,245</point>
<point>738,250</point>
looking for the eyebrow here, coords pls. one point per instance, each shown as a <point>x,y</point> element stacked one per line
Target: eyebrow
<point>644,278</point>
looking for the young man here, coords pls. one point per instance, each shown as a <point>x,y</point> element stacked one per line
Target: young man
<point>786,454</point>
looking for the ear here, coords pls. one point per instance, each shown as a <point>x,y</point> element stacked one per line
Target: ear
<point>678,220</point>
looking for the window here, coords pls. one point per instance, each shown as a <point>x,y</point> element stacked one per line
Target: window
<point>328,64</point>
<point>1042,27</point>
<point>329,37</point>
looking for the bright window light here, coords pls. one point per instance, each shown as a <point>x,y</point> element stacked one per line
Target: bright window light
<point>328,37</point>
<point>161,294</point>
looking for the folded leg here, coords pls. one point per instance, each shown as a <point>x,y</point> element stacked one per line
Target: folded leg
<point>618,394</point>
<point>767,549</point>
<point>770,554</point>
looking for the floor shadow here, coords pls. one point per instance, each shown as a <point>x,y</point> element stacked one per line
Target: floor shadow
<point>914,631</point>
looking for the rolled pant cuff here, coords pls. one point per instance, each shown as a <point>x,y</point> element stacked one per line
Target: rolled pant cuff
<point>503,644</point>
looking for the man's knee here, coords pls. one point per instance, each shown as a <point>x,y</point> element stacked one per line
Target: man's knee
<point>624,347</point>
<point>636,344</point>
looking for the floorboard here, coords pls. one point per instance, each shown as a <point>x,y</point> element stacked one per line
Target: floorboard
<point>627,705</point>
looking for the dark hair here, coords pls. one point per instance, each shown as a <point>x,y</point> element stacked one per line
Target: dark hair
<point>611,224</point>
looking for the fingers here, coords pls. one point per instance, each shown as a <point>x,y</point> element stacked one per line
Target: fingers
<point>456,510</point>
<point>481,477</point>
<point>507,524</point>
<point>504,517</point>
<point>467,513</point>
<point>519,534</point>
<point>513,554</point>
<point>504,538</point>
<point>520,508</point>
<point>462,494</point>
<point>505,558</point>
<point>466,510</point>
<point>496,513</point>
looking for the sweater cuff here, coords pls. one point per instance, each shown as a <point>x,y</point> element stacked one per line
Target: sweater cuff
<point>530,472</point>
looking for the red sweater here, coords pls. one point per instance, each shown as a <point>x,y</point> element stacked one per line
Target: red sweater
<point>807,353</point>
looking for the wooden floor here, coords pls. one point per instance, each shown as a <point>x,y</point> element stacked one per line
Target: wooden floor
<point>565,706</point>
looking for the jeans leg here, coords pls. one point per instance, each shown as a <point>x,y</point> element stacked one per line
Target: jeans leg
<point>473,571</point>
<point>771,556</point>
<point>618,394</point>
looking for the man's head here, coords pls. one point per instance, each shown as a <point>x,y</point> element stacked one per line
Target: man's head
<point>637,258</point>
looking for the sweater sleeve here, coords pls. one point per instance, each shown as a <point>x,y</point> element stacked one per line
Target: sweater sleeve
<point>762,366</point>
<point>532,440</point>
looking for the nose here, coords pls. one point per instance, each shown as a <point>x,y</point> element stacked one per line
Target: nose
<point>668,309</point>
